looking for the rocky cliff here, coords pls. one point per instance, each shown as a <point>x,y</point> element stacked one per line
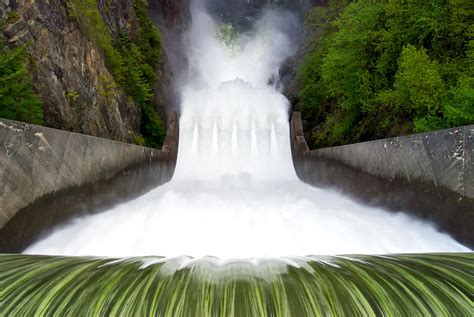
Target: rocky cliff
<point>172,14</point>
<point>70,71</point>
<point>288,71</point>
<point>243,13</point>
<point>173,18</point>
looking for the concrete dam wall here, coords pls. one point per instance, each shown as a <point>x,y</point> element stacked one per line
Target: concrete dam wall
<point>48,176</point>
<point>430,175</point>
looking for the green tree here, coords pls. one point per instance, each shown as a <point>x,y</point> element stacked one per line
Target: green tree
<point>133,62</point>
<point>90,21</point>
<point>389,67</point>
<point>149,42</point>
<point>459,105</point>
<point>418,89</point>
<point>139,87</point>
<point>17,99</point>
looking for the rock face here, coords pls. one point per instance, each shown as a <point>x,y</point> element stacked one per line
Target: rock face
<point>69,70</point>
<point>430,175</point>
<point>288,71</point>
<point>244,12</point>
<point>173,18</point>
<point>174,14</point>
<point>49,176</point>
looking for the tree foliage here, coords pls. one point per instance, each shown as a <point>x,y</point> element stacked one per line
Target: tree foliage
<point>17,99</point>
<point>134,62</point>
<point>386,68</point>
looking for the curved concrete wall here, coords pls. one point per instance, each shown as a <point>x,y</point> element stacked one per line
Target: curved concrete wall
<point>430,175</point>
<point>48,176</point>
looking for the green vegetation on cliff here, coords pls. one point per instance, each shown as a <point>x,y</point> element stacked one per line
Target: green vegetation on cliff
<point>17,99</point>
<point>132,60</point>
<point>385,68</point>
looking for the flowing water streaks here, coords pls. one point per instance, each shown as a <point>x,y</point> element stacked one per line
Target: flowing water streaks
<point>235,195</point>
<point>397,285</point>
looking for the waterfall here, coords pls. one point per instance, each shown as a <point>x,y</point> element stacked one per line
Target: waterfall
<point>235,193</point>
<point>235,233</point>
<point>403,285</point>
<point>234,130</point>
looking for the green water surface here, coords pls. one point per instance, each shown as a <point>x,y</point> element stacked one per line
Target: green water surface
<point>396,285</point>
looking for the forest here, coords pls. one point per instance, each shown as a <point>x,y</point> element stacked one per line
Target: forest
<point>374,69</point>
<point>386,68</point>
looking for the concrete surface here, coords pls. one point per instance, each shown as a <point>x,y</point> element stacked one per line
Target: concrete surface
<point>430,175</point>
<point>48,176</point>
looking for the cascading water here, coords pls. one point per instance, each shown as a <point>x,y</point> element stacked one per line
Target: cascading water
<point>235,193</point>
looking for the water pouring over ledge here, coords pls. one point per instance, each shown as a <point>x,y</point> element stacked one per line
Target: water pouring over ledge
<point>235,193</point>
<point>402,285</point>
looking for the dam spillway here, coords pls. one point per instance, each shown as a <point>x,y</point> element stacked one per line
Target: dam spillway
<point>235,193</point>
<point>235,231</point>
<point>401,285</point>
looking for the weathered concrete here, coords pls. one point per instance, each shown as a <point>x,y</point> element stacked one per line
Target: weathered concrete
<point>430,175</point>
<point>48,176</point>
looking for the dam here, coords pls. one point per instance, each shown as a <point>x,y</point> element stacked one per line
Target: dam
<point>234,193</point>
<point>235,231</point>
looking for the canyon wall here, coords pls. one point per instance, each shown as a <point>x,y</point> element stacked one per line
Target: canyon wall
<point>69,69</point>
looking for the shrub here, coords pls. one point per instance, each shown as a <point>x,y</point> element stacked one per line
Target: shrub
<point>386,68</point>
<point>17,99</point>
<point>134,63</point>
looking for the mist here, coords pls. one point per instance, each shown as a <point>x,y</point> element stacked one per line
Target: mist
<point>235,193</point>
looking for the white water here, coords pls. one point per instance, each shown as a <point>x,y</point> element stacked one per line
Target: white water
<point>235,193</point>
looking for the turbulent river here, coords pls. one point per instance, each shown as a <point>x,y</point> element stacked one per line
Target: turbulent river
<point>235,193</point>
